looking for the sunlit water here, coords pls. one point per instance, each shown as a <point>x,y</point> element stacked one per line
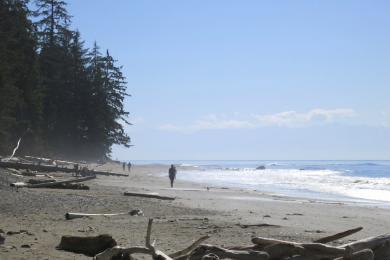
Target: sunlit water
<point>357,181</point>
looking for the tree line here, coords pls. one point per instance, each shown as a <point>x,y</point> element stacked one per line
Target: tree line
<point>63,99</point>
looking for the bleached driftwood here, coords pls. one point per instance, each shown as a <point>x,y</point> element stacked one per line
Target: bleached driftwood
<point>55,183</point>
<point>189,249</point>
<point>148,195</point>
<point>222,253</point>
<point>338,235</point>
<point>307,249</point>
<point>71,215</point>
<point>51,168</point>
<point>149,249</point>
<point>365,254</point>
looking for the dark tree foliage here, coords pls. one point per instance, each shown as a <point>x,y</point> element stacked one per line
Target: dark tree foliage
<point>66,101</point>
<point>20,98</point>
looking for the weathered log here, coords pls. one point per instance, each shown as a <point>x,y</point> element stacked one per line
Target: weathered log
<point>310,249</point>
<point>262,241</point>
<point>280,251</point>
<point>210,257</point>
<point>57,183</point>
<point>321,250</point>
<point>365,254</point>
<point>257,225</point>
<point>203,250</point>
<point>18,184</point>
<point>149,249</point>
<point>35,181</point>
<point>383,252</point>
<point>70,186</point>
<point>51,168</point>
<point>334,237</point>
<point>368,243</point>
<point>189,249</point>
<point>148,195</point>
<point>71,215</point>
<point>89,246</point>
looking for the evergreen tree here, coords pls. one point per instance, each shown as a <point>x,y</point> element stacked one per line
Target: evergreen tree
<point>68,100</point>
<point>20,100</point>
<point>54,69</point>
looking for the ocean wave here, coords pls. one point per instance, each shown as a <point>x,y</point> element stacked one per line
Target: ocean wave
<point>308,182</point>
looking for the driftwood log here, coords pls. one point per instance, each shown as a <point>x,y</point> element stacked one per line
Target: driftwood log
<point>338,235</point>
<point>71,215</point>
<point>149,249</point>
<point>374,248</point>
<point>89,246</point>
<point>148,195</point>
<point>53,168</point>
<point>222,253</point>
<point>59,183</point>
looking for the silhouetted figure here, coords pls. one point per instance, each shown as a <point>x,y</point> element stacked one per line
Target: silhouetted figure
<point>129,166</point>
<point>124,166</point>
<point>172,174</point>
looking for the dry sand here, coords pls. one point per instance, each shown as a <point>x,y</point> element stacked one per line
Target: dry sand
<point>197,211</point>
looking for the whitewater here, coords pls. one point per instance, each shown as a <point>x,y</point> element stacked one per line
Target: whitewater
<point>365,182</point>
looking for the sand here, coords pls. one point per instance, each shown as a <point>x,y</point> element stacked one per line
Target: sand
<point>197,210</point>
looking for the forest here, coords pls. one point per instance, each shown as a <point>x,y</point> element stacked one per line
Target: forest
<point>62,99</point>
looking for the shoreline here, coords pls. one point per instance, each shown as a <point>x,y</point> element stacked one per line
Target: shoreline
<point>196,212</point>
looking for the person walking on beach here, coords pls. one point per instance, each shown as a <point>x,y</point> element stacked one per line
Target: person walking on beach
<point>124,166</point>
<point>172,174</point>
<point>129,166</point>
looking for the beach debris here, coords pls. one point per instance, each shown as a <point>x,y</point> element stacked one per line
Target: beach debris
<point>63,184</point>
<point>222,253</point>
<point>136,212</point>
<point>377,248</point>
<point>257,225</point>
<point>188,250</point>
<point>153,195</point>
<point>210,257</point>
<point>71,215</point>
<point>294,214</point>
<point>39,181</point>
<point>56,168</point>
<point>89,246</point>
<point>25,246</point>
<point>338,235</point>
<point>149,249</point>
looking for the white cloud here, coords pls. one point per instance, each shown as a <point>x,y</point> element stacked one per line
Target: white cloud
<point>295,119</point>
<point>282,119</point>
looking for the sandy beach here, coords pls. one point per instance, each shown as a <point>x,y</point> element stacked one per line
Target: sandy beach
<point>36,216</point>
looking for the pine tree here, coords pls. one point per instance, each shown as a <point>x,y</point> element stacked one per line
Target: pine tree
<point>54,69</point>
<point>20,99</point>
<point>115,89</point>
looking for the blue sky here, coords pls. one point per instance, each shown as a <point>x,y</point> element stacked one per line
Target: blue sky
<point>249,79</point>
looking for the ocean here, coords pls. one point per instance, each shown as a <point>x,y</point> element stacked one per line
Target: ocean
<point>365,182</point>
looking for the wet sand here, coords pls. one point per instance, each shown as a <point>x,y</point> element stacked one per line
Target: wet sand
<point>197,210</point>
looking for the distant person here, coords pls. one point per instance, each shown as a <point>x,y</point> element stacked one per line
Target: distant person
<point>129,166</point>
<point>172,174</point>
<point>124,166</point>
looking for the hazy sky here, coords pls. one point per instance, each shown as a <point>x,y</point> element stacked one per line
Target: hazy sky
<point>249,79</point>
